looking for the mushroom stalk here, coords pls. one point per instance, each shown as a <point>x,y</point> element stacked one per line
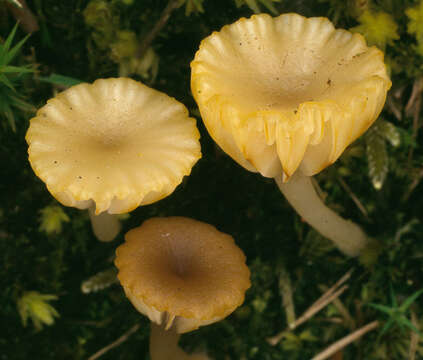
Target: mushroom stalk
<point>183,274</point>
<point>105,226</point>
<point>302,196</point>
<point>164,345</point>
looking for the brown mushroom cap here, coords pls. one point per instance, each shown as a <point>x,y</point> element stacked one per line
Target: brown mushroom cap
<point>116,142</point>
<point>182,271</point>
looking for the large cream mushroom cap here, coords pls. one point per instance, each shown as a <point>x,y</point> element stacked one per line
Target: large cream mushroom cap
<point>116,142</point>
<point>287,92</point>
<point>182,272</point>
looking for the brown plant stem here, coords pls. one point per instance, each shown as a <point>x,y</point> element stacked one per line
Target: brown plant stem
<point>332,293</point>
<point>413,185</point>
<point>24,15</point>
<point>413,106</point>
<point>415,93</point>
<point>414,341</point>
<point>393,108</point>
<point>342,343</point>
<point>347,318</point>
<point>115,343</point>
<point>354,198</point>
<point>164,17</point>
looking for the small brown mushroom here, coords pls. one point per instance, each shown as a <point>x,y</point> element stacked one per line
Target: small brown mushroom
<point>182,274</point>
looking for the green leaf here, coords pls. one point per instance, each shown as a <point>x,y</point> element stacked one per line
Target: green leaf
<point>414,26</point>
<point>52,218</point>
<point>10,117</point>
<point>378,27</point>
<point>48,297</point>
<point>254,5</point>
<point>397,314</point>
<point>393,297</point>
<point>10,55</point>
<point>4,48</point>
<point>269,5</point>
<point>100,281</point>
<point>407,323</point>
<point>15,69</point>
<point>4,79</point>
<point>377,158</point>
<point>385,309</point>
<point>23,312</point>
<point>389,132</point>
<point>386,327</point>
<point>21,104</point>
<point>194,6</point>
<point>307,335</point>
<point>33,304</point>
<point>409,301</point>
<point>7,54</point>
<point>60,80</point>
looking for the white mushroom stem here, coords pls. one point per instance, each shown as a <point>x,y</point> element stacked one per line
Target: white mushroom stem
<point>105,226</point>
<point>164,346</point>
<point>302,196</point>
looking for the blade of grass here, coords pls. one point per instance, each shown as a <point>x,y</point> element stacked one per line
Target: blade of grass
<point>61,80</point>
<point>407,323</point>
<point>340,344</point>
<point>10,118</point>
<point>15,69</point>
<point>407,302</point>
<point>6,45</point>
<point>6,81</point>
<point>21,104</point>
<point>269,5</point>
<point>385,309</point>
<point>10,55</point>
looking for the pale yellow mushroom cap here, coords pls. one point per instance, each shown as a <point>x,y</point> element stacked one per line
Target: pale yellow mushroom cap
<point>182,272</point>
<point>116,142</point>
<point>287,92</point>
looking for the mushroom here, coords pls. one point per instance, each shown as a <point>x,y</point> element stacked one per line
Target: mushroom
<point>164,345</point>
<point>111,146</point>
<point>182,274</point>
<point>284,97</point>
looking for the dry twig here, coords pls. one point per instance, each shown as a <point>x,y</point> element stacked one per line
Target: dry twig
<point>415,94</point>
<point>413,185</point>
<point>354,198</point>
<point>393,108</point>
<point>332,293</point>
<point>413,106</point>
<point>347,318</point>
<point>340,344</point>
<point>115,343</point>
<point>414,342</point>
<point>24,15</point>
<point>164,17</point>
